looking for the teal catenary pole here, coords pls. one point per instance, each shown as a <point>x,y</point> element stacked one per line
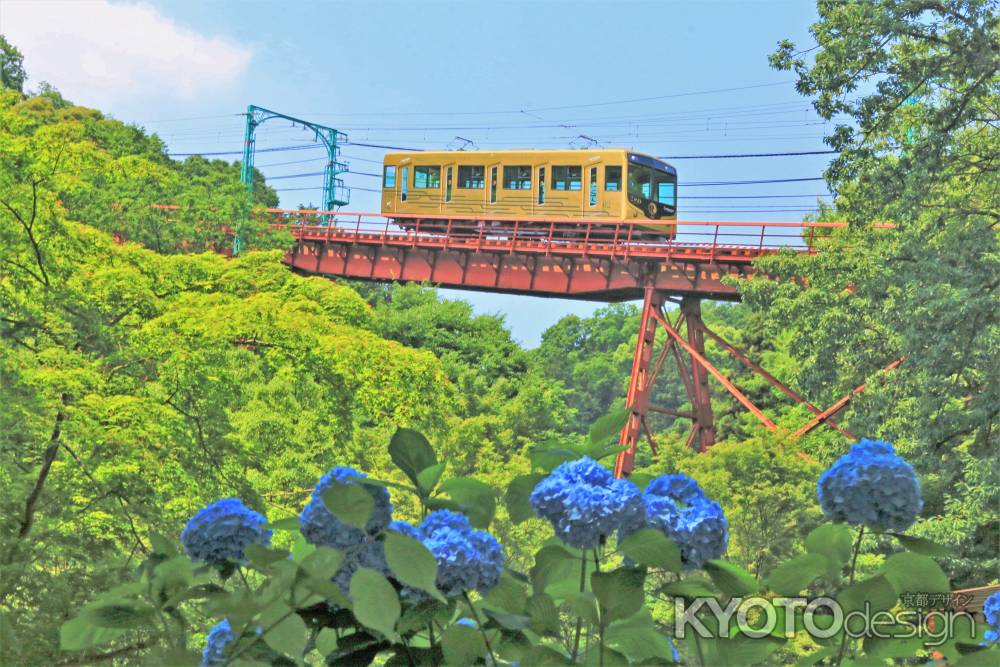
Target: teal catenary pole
<point>335,193</point>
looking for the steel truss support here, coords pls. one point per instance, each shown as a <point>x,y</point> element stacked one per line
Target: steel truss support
<point>694,368</point>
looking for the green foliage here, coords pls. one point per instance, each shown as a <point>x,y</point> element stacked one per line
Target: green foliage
<point>12,74</point>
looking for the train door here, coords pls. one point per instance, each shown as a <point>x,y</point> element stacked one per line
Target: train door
<point>389,188</point>
<point>593,195</point>
<point>404,182</point>
<point>493,187</point>
<point>449,185</point>
<point>540,184</point>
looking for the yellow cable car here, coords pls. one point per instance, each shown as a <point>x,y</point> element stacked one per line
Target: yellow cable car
<point>611,185</point>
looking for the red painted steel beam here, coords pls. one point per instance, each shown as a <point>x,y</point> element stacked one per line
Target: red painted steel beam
<point>841,403</point>
<point>707,365</point>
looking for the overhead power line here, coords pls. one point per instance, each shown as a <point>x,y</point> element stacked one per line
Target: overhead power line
<point>741,155</point>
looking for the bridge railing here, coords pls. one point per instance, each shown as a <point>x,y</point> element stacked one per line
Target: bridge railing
<point>758,236</point>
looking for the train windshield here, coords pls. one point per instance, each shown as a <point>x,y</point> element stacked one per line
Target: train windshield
<point>652,180</point>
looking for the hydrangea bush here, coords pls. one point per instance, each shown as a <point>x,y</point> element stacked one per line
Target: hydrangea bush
<point>359,586</point>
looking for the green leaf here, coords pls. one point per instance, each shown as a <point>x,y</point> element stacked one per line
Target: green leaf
<point>554,564</point>
<point>984,657</point>
<point>742,650</point>
<point>833,540</point>
<point>877,592</point>
<point>690,587</point>
<point>376,604</point>
<point>428,478</point>
<point>912,573</point>
<point>620,592</point>
<point>125,615</point>
<point>261,557</point>
<point>813,658</point>
<point>284,630</point>
<point>584,605</point>
<point>548,458</point>
<point>608,426</point>
<point>639,638</point>
<point>162,546</point>
<point>653,548</point>
<point>543,612</point>
<point>350,503</point>
<point>509,595</point>
<point>731,579</point>
<point>323,563</point>
<point>80,633</point>
<point>411,562</point>
<point>922,546</point>
<point>326,641</point>
<point>301,549</point>
<point>476,499</point>
<point>462,645</point>
<point>288,523</point>
<point>796,574</point>
<point>518,497</point>
<point>641,479</point>
<point>509,621</point>
<point>411,453</point>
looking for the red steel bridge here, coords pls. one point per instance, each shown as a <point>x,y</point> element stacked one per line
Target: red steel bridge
<point>584,259</point>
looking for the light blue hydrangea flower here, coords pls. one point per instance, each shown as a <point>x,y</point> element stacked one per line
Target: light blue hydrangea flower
<point>320,527</point>
<point>585,503</point>
<point>467,622</point>
<point>991,611</point>
<point>677,506</point>
<point>467,559</point>
<point>221,532</point>
<point>218,638</point>
<point>871,486</point>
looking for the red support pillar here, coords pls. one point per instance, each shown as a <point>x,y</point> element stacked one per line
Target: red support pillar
<point>701,400</point>
<point>637,402</point>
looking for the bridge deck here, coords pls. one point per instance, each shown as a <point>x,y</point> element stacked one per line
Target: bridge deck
<point>567,257</point>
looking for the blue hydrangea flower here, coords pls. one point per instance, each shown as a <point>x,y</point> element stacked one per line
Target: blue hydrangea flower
<point>677,506</point>
<point>371,555</point>
<point>991,610</point>
<point>467,559</point>
<point>218,638</point>
<point>871,486</point>
<point>467,622</point>
<point>319,525</point>
<point>584,502</point>
<point>221,531</point>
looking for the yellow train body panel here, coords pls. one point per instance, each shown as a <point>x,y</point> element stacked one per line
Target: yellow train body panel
<point>601,184</point>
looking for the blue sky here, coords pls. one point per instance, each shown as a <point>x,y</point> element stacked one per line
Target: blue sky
<point>503,74</point>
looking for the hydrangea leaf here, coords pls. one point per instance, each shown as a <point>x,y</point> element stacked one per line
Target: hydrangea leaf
<point>549,458</point>
<point>897,641</point>
<point>651,547</point>
<point>796,574</point>
<point>326,641</point>
<point>607,426</point>
<point>411,562</point>
<point>877,592</point>
<point>741,650</point>
<point>350,503</point>
<point>584,605</point>
<point>288,523</point>
<point>690,587</point>
<point>428,478</point>
<point>543,612</point>
<point>639,638</point>
<point>554,564</point>
<point>376,604</point>
<point>261,557</point>
<point>731,579</point>
<point>913,573</point>
<point>284,630</point>
<point>620,592</point>
<point>123,614</point>
<point>323,563</point>
<point>610,658</point>
<point>411,452</point>
<point>833,540</point>
<point>922,546</point>
<point>509,595</point>
<point>475,499</point>
<point>518,497</point>
<point>462,645</point>
<point>509,621</point>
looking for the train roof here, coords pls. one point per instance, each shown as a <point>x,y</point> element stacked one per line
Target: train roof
<point>643,158</point>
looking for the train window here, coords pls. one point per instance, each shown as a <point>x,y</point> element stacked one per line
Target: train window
<point>389,180</point>
<point>517,178</point>
<point>493,185</point>
<point>640,181</point>
<point>593,186</point>
<point>447,185</point>
<point>427,177</point>
<point>541,185</point>
<point>471,178</point>
<point>612,179</point>
<point>666,188</point>
<point>567,178</point>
